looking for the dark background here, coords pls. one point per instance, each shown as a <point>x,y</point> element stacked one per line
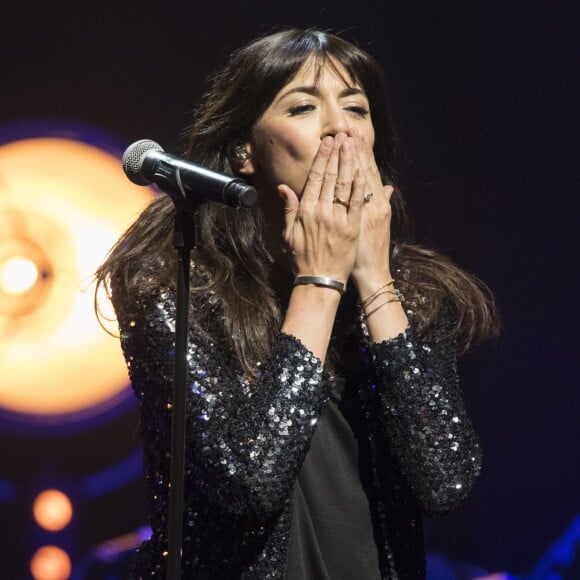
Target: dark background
<point>486,97</point>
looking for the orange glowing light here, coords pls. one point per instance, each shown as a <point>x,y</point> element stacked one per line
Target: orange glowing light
<point>52,510</point>
<point>17,275</point>
<point>62,206</point>
<point>50,563</point>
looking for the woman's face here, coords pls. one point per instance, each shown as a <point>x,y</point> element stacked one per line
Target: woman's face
<point>312,105</point>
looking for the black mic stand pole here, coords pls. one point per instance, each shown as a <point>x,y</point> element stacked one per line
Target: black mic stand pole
<point>184,241</point>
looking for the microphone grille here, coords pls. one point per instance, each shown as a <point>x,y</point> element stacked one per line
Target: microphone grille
<point>133,158</point>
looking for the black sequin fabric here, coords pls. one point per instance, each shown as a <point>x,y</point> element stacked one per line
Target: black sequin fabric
<point>247,439</point>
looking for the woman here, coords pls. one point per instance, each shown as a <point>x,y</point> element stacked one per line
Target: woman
<point>323,416</point>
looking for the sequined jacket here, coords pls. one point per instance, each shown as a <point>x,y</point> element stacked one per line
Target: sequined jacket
<point>246,443</point>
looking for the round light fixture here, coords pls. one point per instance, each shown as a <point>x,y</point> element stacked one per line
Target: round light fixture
<point>50,563</point>
<point>63,203</point>
<point>52,510</point>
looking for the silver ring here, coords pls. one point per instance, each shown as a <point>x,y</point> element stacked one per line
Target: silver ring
<point>341,202</point>
<point>368,196</point>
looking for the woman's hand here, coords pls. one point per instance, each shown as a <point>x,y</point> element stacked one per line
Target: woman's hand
<point>322,234</point>
<point>371,274</point>
<point>372,264</point>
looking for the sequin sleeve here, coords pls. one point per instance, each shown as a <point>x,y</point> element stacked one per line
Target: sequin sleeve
<point>423,418</point>
<point>245,441</point>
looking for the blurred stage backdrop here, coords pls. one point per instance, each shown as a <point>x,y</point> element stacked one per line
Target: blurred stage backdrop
<point>486,98</point>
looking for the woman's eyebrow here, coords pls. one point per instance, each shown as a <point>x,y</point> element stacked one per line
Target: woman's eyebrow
<point>315,91</point>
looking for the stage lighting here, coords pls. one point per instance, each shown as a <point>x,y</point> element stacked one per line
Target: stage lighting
<point>52,510</point>
<point>50,563</point>
<point>63,203</point>
<point>18,275</point>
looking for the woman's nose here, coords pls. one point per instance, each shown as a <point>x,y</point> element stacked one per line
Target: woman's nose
<point>334,121</point>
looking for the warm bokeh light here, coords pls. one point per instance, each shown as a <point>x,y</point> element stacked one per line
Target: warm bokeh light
<point>17,275</point>
<point>52,510</point>
<point>50,563</point>
<point>63,204</point>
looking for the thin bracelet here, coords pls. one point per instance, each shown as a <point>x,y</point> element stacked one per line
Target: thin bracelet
<point>380,306</point>
<point>370,298</point>
<point>320,281</point>
<point>378,293</point>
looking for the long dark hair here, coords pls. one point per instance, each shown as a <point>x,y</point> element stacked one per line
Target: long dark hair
<point>231,258</point>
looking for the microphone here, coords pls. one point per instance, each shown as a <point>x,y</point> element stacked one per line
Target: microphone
<point>145,162</point>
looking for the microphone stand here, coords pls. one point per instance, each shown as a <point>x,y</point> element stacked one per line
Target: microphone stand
<point>184,241</point>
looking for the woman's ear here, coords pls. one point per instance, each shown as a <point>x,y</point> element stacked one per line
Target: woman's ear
<point>242,160</point>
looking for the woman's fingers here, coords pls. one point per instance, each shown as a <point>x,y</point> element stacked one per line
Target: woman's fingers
<point>372,257</point>
<point>365,158</point>
<point>316,176</point>
<point>335,228</point>
<point>343,184</point>
<point>291,202</point>
<point>357,198</point>
<point>331,173</point>
<point>291,205</point>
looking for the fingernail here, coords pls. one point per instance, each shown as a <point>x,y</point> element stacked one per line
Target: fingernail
<point>327,141</point>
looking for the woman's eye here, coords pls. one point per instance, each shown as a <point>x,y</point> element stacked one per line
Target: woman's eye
<point>300,109</point>
<point>359,111</point>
